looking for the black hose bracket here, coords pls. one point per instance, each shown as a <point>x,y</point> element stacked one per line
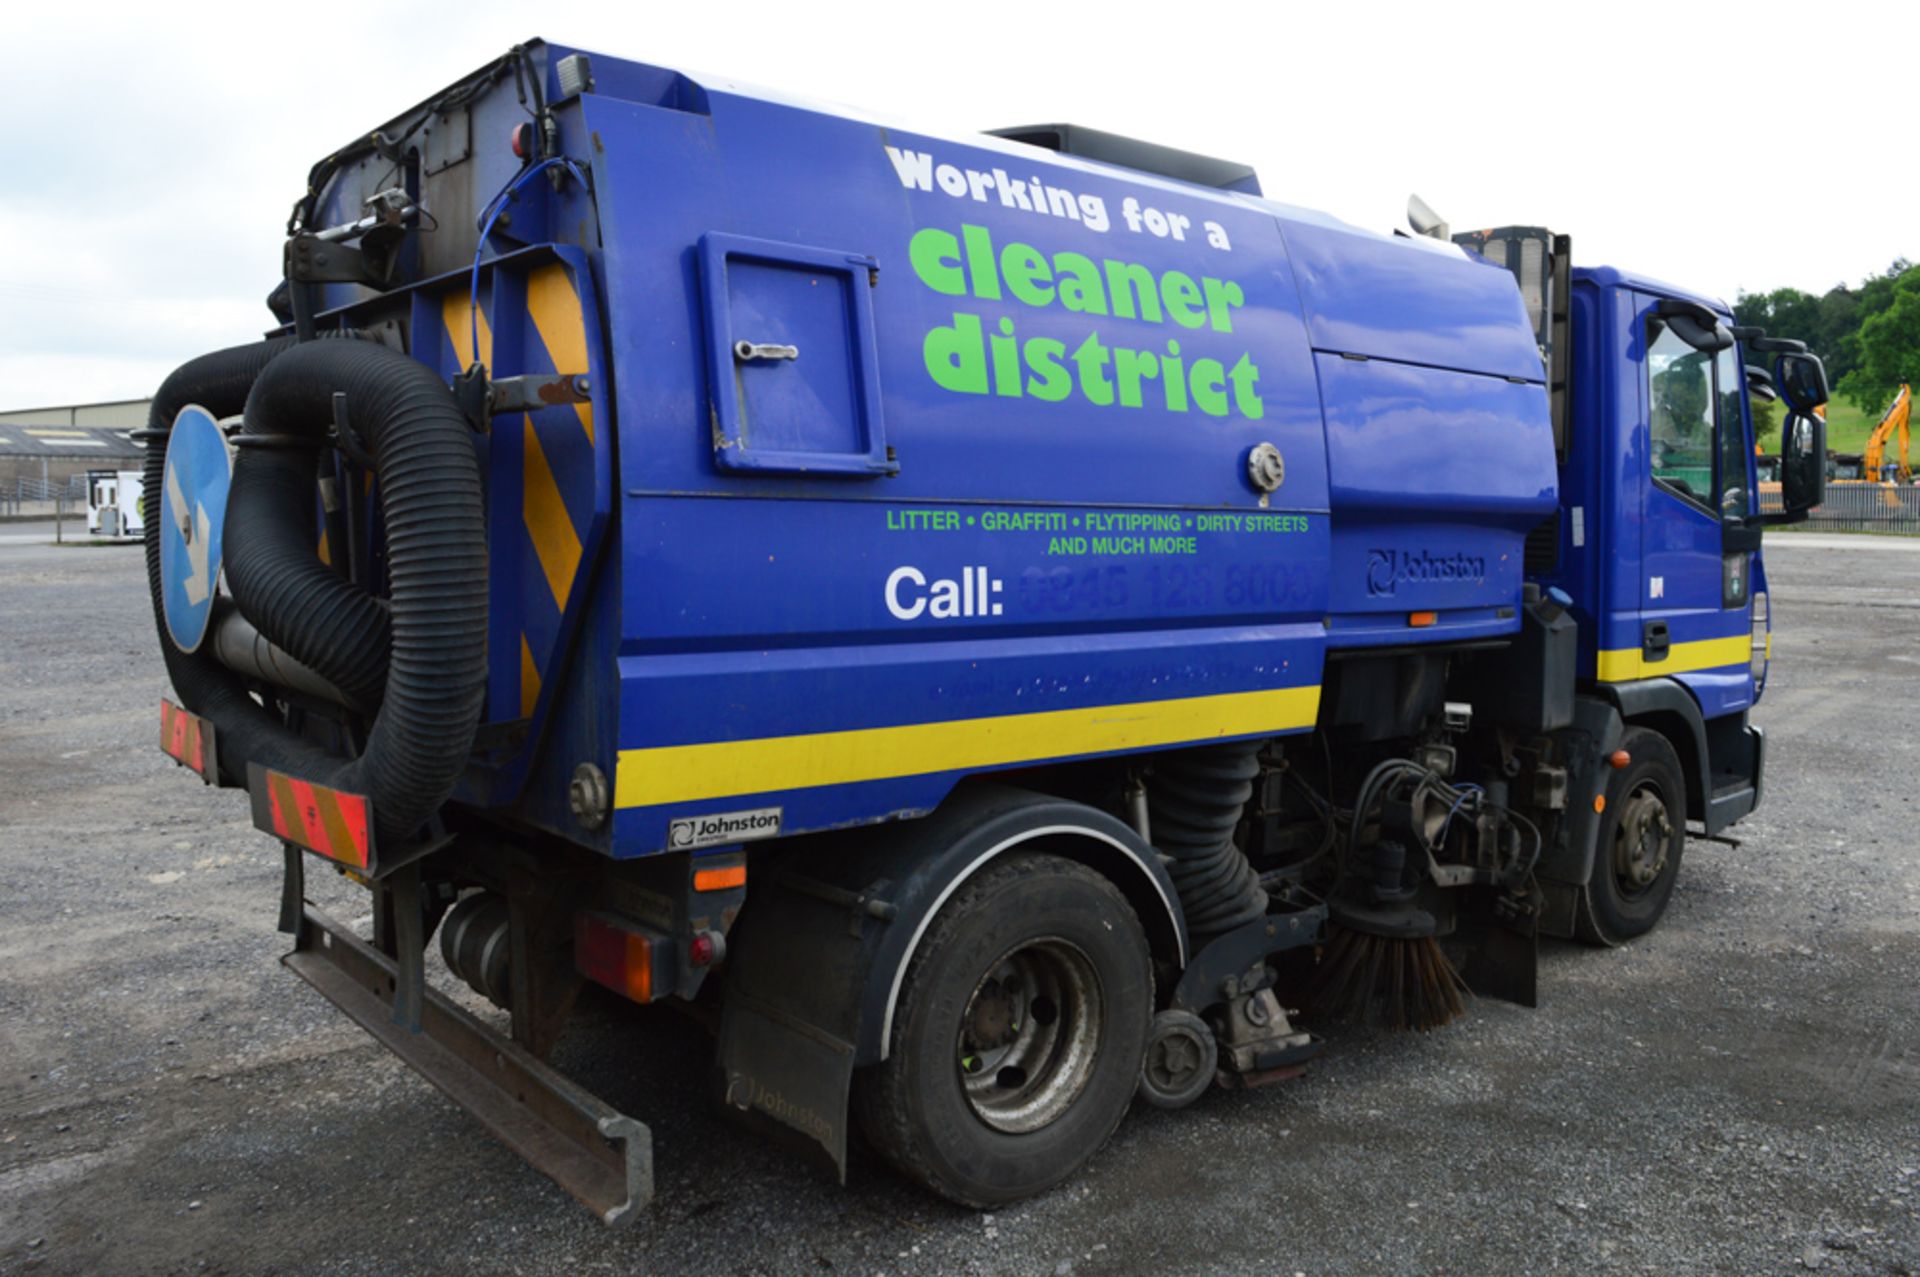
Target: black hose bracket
<point>473,392</point>
<point>343,436</point>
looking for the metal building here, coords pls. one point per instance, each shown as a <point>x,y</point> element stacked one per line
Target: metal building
<point>116,414</point>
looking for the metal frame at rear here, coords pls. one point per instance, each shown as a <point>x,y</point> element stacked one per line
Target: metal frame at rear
<point>598,1154</point>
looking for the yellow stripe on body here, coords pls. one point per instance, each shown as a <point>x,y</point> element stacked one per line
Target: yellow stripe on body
<point>529,680</point>
<point>555,308</point>
<point>720,769</point>
<point>1628,663</point>
<point>554,541</point>
<point>456,311</point>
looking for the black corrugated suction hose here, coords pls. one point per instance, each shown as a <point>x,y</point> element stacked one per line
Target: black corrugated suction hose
<point>1195,798</point>
<point>219,382</point>
<point>422,655</point>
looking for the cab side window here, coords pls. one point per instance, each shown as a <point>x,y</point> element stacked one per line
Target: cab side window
<point>1681,401</point>
<point>1697,424</point>
<point>1736,498</point>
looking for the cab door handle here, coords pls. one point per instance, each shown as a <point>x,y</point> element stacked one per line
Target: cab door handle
<point>1654,641</point>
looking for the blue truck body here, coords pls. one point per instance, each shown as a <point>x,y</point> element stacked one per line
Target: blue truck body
<point>713,627</point>
<point>1090,598</point>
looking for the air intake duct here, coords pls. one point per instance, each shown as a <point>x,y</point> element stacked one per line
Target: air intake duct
<point>420,654</point>
<point>1195,798</point>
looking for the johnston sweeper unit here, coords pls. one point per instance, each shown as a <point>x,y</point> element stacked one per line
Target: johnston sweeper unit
<point>1000,626</point>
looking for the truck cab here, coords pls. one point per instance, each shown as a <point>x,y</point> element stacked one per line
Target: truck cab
<point>1656,544</point>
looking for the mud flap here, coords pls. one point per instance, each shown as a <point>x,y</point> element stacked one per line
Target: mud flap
<point>1498,953</point>
<point>784,1078</point>
<point>791,1022</point>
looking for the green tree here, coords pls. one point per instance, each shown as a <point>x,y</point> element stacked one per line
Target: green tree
<point>1839,316</point>
<point>1886,346</point>
<point>1766,420</point>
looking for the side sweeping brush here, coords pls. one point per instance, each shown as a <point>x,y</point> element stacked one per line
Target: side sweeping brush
<point>1382,963</point>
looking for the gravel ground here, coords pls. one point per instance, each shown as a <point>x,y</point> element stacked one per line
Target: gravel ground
<point>1739,1092</point>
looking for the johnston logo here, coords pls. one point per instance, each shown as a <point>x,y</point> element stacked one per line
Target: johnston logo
<point>1388,570</point>
<point>724,826</point>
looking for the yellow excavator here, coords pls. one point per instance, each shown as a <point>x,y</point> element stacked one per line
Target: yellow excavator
<point>1896,422</point>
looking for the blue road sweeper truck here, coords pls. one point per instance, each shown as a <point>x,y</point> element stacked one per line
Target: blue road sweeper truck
<point>1000,627</point>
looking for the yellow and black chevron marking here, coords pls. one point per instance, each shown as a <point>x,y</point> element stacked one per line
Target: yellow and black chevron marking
<point>551,455</point>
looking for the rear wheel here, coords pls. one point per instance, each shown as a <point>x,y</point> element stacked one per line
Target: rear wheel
<point>1018,1036</point>
<point>1643,832</point>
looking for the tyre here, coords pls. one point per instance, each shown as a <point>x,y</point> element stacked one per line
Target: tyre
<point>1018,1037</point>
<point>1643,832</point>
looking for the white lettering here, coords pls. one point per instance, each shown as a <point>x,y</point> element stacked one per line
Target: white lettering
<point>915,168</point>
<point>946,600</point>
<point>901,611</point>
<point>970,592</point>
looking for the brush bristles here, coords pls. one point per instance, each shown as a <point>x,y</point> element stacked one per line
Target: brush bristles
<point>1398,983</point>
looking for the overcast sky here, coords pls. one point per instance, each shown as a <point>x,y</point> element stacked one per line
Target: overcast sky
<point>152,151</point>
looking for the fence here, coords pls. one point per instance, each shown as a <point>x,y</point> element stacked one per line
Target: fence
<point>70,492</point>
<point>1856,506</point>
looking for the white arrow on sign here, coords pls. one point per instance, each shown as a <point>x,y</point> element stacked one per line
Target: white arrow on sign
<point>199,584</point>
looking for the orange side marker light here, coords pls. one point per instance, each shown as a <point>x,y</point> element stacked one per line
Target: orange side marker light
<point>720,879</point>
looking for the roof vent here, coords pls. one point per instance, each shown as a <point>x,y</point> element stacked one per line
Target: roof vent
<point>1145,157</point>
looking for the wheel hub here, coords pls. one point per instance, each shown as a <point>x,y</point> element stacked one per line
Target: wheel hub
<point>992,1019</point>
<point>1641,839</point>
<point>1029,1034</point>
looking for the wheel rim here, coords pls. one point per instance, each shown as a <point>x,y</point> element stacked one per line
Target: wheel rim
<point>1641,840</point>
<point>1029,1034</point>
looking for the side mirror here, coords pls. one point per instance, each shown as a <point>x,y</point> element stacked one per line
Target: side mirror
<point>1802,381</point>
<point>1425,221</point>
<point>1694,324</point>
<point>1760,384</point>
<point>1803,468</point>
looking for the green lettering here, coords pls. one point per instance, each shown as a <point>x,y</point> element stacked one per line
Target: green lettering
<point>1053,382</point>
<point>1129,366</point>
<point>1079,282</point>
<point>1182,296</point>
<point>1091,357</point>
<point>1133,292</point>
<point>956,357</point>
<point>980,267</point>
<point>1222,297</point>
<point>1006,362</point>
<point>1209,381</point>
<point>1028,278</point>
<point>1245,375</point>
<point>935,255</point>
<point>1173,377</point>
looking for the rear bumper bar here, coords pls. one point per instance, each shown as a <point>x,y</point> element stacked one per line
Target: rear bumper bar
<point>598,1154</point>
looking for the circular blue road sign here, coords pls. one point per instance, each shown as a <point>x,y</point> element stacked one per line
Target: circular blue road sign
<point>192,510</point>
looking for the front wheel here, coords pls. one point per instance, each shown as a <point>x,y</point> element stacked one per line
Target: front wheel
<point>1642,833</point>
<point>1018,1036</point>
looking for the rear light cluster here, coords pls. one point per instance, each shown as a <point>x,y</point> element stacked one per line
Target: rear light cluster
<point>706,948</point>
<point>619,955</point>
<point>634,961</point>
